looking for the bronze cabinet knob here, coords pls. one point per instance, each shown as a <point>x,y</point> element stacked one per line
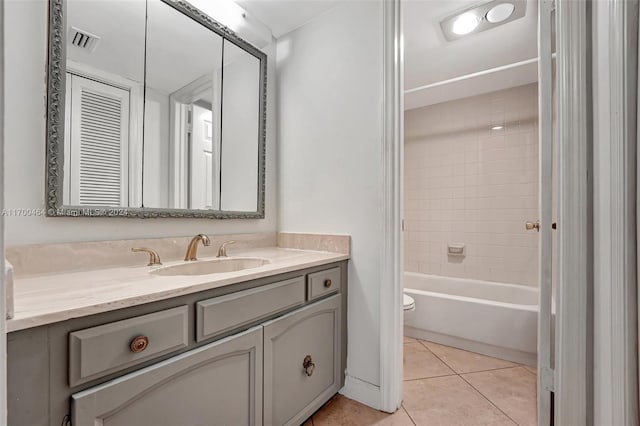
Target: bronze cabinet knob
<point>139,344</point>
<point>327,283</point>
<point>308,365</point>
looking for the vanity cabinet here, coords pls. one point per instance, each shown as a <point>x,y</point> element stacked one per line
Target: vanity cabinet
<point>220,314</point>
<point>220,383</point>
<point>97,351</point>
<point>301,362</point>
<point>268,351</point>
<point>323,283</point>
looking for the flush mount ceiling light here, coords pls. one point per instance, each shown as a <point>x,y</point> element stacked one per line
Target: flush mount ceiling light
<point>483,17</point>
<point>465,23</point>
<point>500,12</point>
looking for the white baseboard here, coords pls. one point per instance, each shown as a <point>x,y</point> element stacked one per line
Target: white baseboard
<point>362,391</point>
<point>473,346</point>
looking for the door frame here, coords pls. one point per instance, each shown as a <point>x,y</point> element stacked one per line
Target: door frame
<point>574,319</point>
<point>615,168</point>
<point>3,290</point>
<point>546,166</point>
<point>136,118</point>
<point>179,129</point>
<point>573,384</point>
<point>391,289</point>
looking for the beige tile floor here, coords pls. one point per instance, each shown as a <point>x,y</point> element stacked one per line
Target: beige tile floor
<point>444,386</point>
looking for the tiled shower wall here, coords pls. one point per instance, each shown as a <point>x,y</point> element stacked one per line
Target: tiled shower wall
<point>468,183</point>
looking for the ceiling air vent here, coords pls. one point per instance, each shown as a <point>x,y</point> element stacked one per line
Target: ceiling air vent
<point>83,39</point>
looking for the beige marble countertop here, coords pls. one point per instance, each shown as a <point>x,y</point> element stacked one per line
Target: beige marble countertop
<point>48,298</point>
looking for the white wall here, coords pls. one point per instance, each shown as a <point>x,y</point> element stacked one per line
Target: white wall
<point>25,54</point>
<point>330,94</point>
<point>155,173</point>
<point>240,130</point>
<point>468,184</point>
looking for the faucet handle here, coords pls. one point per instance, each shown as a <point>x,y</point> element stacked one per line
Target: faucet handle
<point>222,251</point>
<point>154,257</point>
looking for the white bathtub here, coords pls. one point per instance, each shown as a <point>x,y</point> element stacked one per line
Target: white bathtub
<point>494,319</point>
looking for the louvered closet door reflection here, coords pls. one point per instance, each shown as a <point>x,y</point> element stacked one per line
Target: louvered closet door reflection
<point>98,144</point>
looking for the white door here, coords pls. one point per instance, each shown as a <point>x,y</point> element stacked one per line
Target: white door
<point>97,145</point>
<point>203,171</point>
<point>546,189</point>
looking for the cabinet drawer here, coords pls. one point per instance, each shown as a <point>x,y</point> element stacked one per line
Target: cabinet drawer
<point>323,283</point>
<point>221,314</point>
<point>98,351</point>
<point>292,392</point>
<point>215,384</point>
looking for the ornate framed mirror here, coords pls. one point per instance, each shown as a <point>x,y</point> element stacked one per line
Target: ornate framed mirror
<point>153,110</point>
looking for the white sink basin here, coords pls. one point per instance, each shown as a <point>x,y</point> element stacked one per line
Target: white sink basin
<point>215,266</point>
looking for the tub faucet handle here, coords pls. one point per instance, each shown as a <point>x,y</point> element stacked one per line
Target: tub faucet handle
<point>530,226</point>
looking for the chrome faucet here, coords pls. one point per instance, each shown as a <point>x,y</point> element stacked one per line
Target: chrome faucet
<point>222,251</point>
<point>192,250</point>
<point>154,257</point>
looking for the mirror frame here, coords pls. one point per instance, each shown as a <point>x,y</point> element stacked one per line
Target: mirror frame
<point>56,81</point>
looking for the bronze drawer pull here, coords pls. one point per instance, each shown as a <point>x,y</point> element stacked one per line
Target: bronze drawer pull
<point>327,283</point>
<point>308,365</point>
<point>139,344</point>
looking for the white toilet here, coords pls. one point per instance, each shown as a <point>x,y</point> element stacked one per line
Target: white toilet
<point>409,305</point>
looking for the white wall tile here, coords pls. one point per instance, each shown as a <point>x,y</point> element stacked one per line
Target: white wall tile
<point>466,183</point>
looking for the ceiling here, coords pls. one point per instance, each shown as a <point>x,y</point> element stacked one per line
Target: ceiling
<point>175,44</point>
<point>120,26</point>
<point>283,16</point>
<point>430,58</point>
<point>175,49</point>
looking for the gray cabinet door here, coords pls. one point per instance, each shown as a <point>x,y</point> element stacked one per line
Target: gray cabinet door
<point>216,384</point>
<point>291,392</point>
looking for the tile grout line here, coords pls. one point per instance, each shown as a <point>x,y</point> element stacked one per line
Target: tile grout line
<point>492,369</point>
<point>441,360</point>
<point>455,373</point>
<point>431,352</point>
<point>469,372</point>
<point>488,400</point>
<point>430,377</point>
<point>473,387</point>
<point>409,415</point>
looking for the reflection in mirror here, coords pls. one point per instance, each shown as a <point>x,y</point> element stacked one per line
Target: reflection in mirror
<point>182,111</point>
<point>240,130</point>
<point>103,102</point>
<point>164,112</point>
